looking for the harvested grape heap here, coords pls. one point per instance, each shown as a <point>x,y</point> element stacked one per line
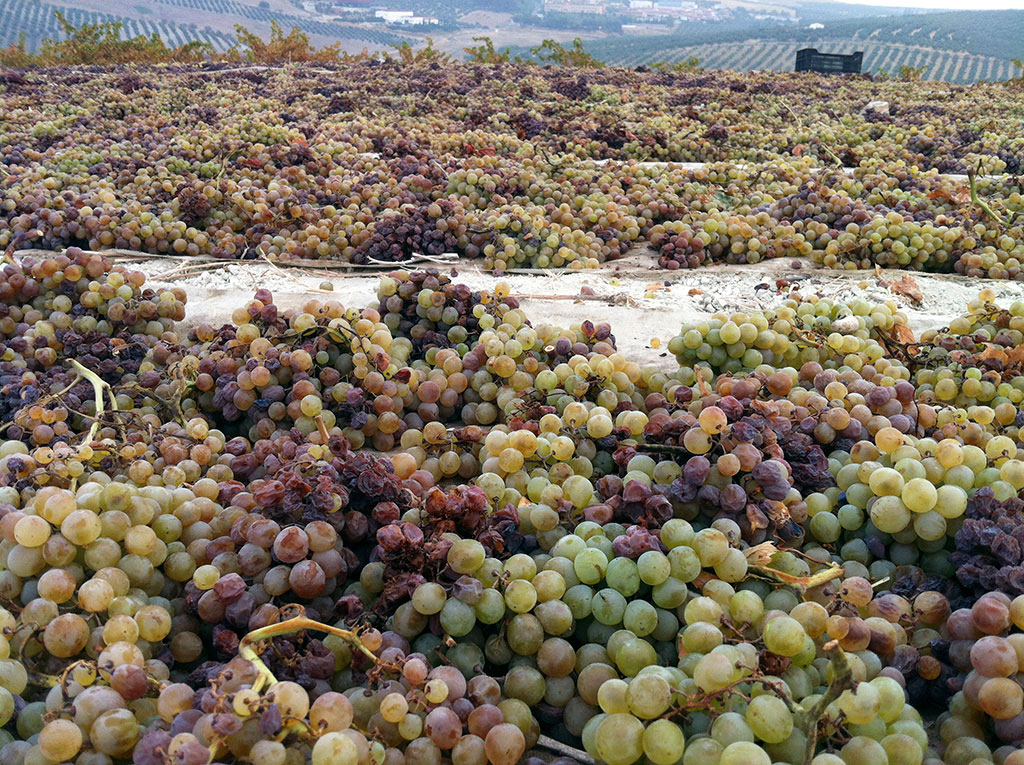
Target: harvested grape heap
<point>429,529</point>
<point>513,166</point>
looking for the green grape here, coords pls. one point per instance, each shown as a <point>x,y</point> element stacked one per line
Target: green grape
<point>457,618</point>
<point>714,672</point>
<point>653,567</point>
<point>702,637</point>
<point>746,607</point>
<point>784,635</point>
<point>889,514</point>
<point>686,566</point>
<point>612,696</point>
<point>702,750</point>
<point>520,596</point>
<point>335,747</point>
<point>640,617</point>
<point>579,599</point>
<point>891,698</point>
<point>622,575</point>
<point>663,742</point>
<point>490,608</point>
<point>676,532</point>
<point>466,556</point>
<point>711,546</point>
<point>648,696</point>
<point>608,606</point>
<point>590,565</point>
<point>902,750</point>
<point>861,704</point>
<point>769,719</point>
<point>634,655</point>
<point>429,598</point>
<point>619,739</point>
<point>744,753</point>
<point>861,750</point>
<point>671,593</point>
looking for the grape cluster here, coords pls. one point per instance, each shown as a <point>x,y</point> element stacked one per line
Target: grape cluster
<point>989,553</point>
<point>517,166</point>
<point>802,332</point>
<point>430,530</point>
<point>429,230</point>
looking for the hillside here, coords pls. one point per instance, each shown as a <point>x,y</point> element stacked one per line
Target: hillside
<point>956,47</point>
<point>991,33</point>
<point>210,21</point>
<point>759,55</point>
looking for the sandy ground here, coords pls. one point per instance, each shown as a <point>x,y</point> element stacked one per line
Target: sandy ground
<point>642,302</point>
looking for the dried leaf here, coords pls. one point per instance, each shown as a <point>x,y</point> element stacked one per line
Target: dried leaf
<point>704,389</point>
<point>993,351</point>
<point>961,197</point>
<point>777,512</point>
<point>906,287</point>
<point>655,286</point>
<point>760,555</point>
<point>1010,357</point>
<point>766,408</point>
<point>694,292</point>
<point>903,333</point>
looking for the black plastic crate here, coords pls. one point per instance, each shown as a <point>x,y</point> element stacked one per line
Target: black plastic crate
<point>810,60</point>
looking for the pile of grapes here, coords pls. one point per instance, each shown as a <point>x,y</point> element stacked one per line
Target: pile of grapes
<point>515,166</point>
<point>429,530</point>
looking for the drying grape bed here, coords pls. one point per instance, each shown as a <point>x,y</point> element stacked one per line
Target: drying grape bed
<point>512,166</point>
<point>763,513</point>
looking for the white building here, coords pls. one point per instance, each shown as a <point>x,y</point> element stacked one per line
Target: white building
<point>404,17</point>
<point>393,17</point>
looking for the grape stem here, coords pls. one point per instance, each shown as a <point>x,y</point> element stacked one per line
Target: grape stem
<point>801,583</point>
<point>976,201</point>
<point>664,449</point>
<point>176,406</point>
<point>322,428</point>
<point>288,627</point>
<point>808,719</point>
<point>19,239</point>
<point>98,387</point>
<point>546,742</point>
<point>780,690</point>
<point>224,163</point>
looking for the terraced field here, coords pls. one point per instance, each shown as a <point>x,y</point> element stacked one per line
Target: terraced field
<point>37,21</point>
<point>947,66</point>
<point>959,47</point>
